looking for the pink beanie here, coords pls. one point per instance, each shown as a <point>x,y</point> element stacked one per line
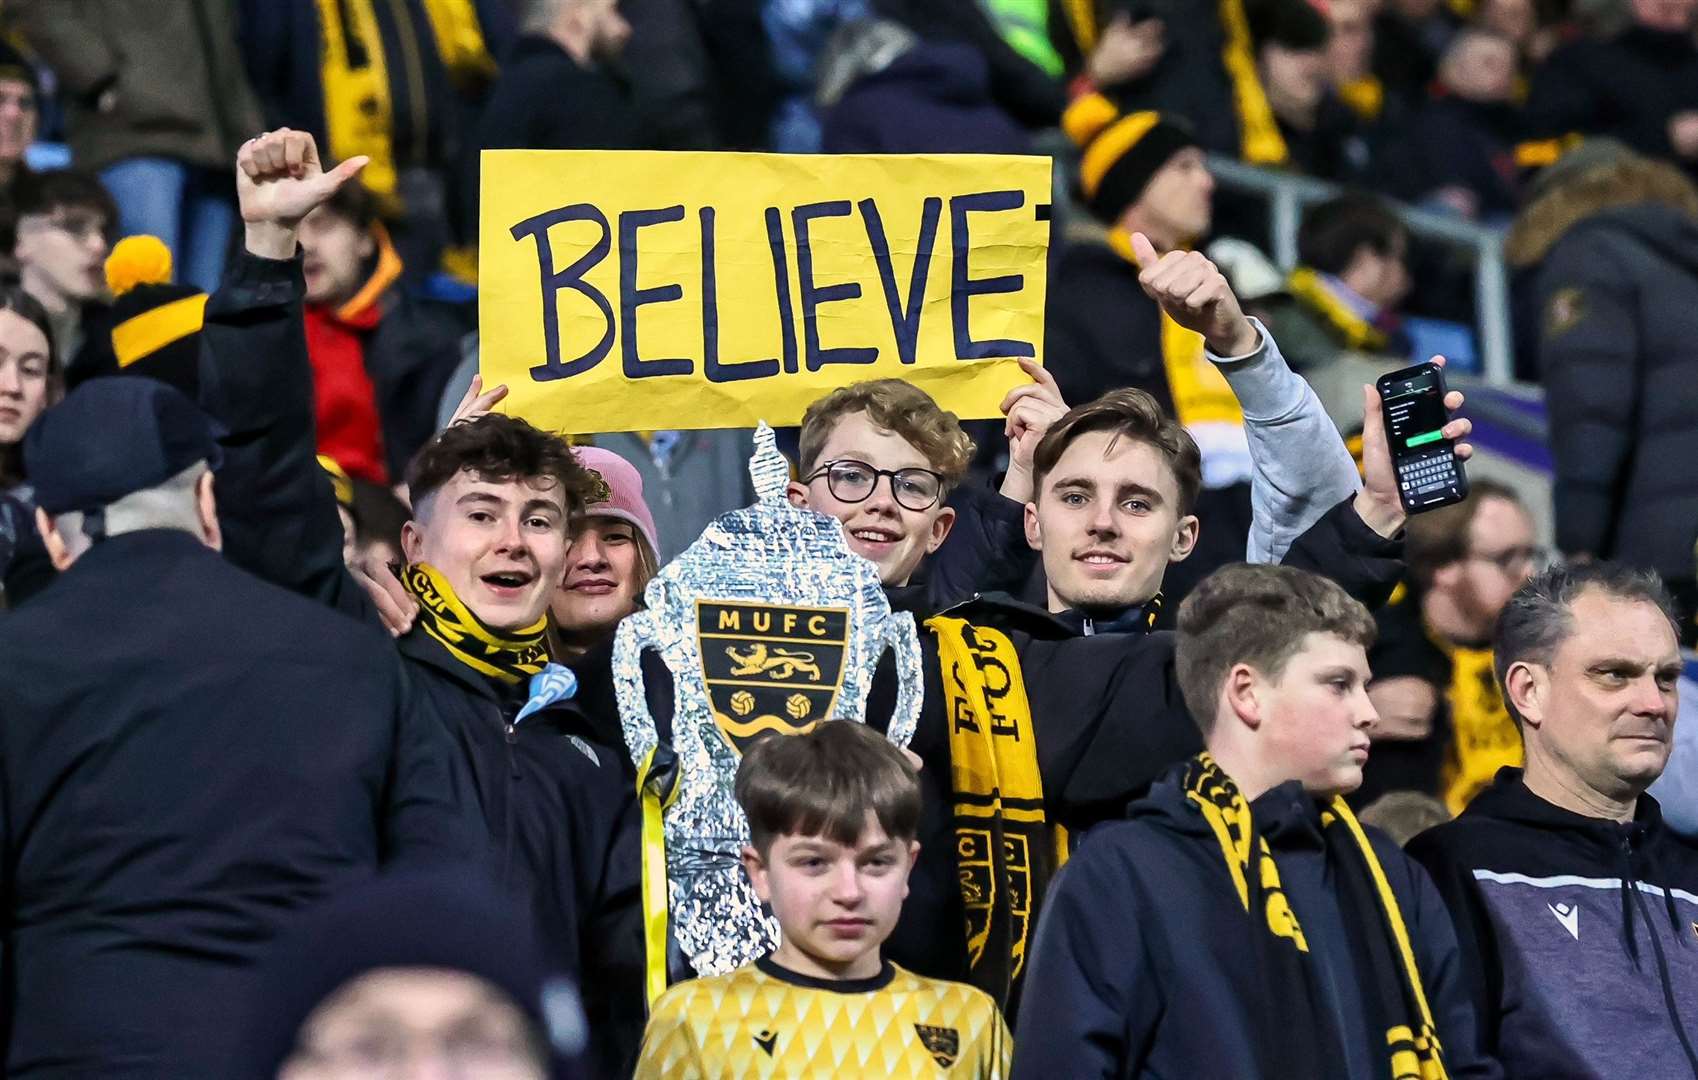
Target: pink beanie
<point>619,493</point>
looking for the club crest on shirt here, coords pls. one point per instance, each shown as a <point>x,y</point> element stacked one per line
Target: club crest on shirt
<point>770,667</point>
<point>943,1043</point>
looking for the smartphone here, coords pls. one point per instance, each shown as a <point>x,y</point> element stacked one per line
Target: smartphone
<point>1428,474</point>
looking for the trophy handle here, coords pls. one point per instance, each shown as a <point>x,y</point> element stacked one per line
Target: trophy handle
<point>636,633</point>
<point>901,635</point>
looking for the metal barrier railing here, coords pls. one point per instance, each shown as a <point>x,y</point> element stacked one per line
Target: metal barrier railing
<point>1287,195</point>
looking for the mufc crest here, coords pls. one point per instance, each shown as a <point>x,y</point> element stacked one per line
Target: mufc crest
<point>770,667</point>
<point>942,1043</point>
<point>767,623</point>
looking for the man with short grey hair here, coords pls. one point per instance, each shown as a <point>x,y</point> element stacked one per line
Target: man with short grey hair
<point>1576,907</point>
<point>187,756</point>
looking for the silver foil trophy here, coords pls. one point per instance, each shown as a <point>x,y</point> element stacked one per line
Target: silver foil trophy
<point>767,623</point>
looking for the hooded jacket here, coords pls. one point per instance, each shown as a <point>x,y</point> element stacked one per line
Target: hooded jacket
<point>935,98</point>
<point>1143,961</point>
<point>1579,935</point>
<point>1615,250</point>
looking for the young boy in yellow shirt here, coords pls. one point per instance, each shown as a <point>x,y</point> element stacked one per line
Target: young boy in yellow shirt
<point>833,815</point>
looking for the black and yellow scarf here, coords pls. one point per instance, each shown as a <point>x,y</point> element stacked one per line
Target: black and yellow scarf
<point>1293,1039</point>
<point>1356,332</point>
<point>511,656</point>
<point>1006,850</point>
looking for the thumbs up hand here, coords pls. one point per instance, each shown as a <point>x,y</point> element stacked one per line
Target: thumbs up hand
<point>1195,294</point>
<point>279,181</point>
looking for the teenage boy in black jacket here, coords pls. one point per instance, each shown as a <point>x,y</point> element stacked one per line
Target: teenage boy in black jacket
<point>1242,923</point>
<point>485,549</point>
<point>1576,907</point>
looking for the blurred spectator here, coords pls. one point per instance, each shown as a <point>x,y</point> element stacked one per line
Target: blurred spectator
<point>559,89</point>
<point>1343,296</point>
<point>157,104</point>
<point>65,224</point>
<point>214,754</point>
<point>1404,815</point>
<point>1517,22</point>
<point>1179,57</point>
<point>701,77</point>
<point>1350,58</point>
<point>152,327</point>
<point>414,974</point>
<point>20,115</point>
<point>1291,60</point>
<point>885,91</point>
<point>1443,728</point>
<point>380,355</point>
<point>1609,240</point>
<point>30,381</point>
<point>1640,86</point>
<point>399,81</point>
<point>1022,88</point>
<point>1409,38</point>
<point>1458,153</point>
<point>798,32</point>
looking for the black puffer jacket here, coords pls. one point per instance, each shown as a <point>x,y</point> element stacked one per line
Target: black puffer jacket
<point>1617,294</point>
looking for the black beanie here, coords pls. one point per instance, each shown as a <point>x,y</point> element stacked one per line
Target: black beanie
<point>1120,153</point>
<point>449,919</point>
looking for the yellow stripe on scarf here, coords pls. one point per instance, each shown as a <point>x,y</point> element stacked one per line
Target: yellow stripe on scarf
<point>1201,394</point>
<point>1261,142</point>
<point>511,656</point>
<point>358,112</point>
<point>1001,825</point>
<point>460,41</point>
<point>1307,286</point>
<point>1414,1055</point>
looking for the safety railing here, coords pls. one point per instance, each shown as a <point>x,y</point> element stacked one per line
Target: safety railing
<point>1287,195</point>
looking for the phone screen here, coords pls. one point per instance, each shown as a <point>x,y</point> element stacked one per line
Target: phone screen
<point>1415,415</point>
<point>1428,474</point>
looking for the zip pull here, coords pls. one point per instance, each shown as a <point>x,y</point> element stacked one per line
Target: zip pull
<point>512,731</point>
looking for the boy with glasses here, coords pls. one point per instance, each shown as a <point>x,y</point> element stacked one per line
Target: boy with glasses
<point>65,221</point>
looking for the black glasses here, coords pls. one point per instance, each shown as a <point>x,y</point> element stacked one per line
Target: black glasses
<point>852,481</point>
<point>1513,559</point>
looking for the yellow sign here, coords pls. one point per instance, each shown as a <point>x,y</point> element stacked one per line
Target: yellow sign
<point>639,290</point>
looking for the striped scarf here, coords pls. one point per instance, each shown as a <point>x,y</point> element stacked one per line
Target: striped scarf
<point>511,656</point>
<point>1294,1032</point>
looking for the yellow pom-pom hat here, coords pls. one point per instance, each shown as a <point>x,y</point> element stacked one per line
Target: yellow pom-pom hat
<point>1121,152</point>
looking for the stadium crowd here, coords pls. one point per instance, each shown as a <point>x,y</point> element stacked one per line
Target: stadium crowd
<point>312,761</point>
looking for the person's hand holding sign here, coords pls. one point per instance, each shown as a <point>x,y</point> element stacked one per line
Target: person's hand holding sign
<point>279,181</point>
<point>1195,294</point>
<point>1030,410</point>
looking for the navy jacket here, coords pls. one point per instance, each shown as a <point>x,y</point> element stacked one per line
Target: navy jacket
<point>1579,935</point>
<point>560,819</point>
<point>187,756</point>
<point>1143,966</point>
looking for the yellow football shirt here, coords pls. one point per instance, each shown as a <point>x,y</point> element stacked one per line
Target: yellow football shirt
<point>764,1021</point>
